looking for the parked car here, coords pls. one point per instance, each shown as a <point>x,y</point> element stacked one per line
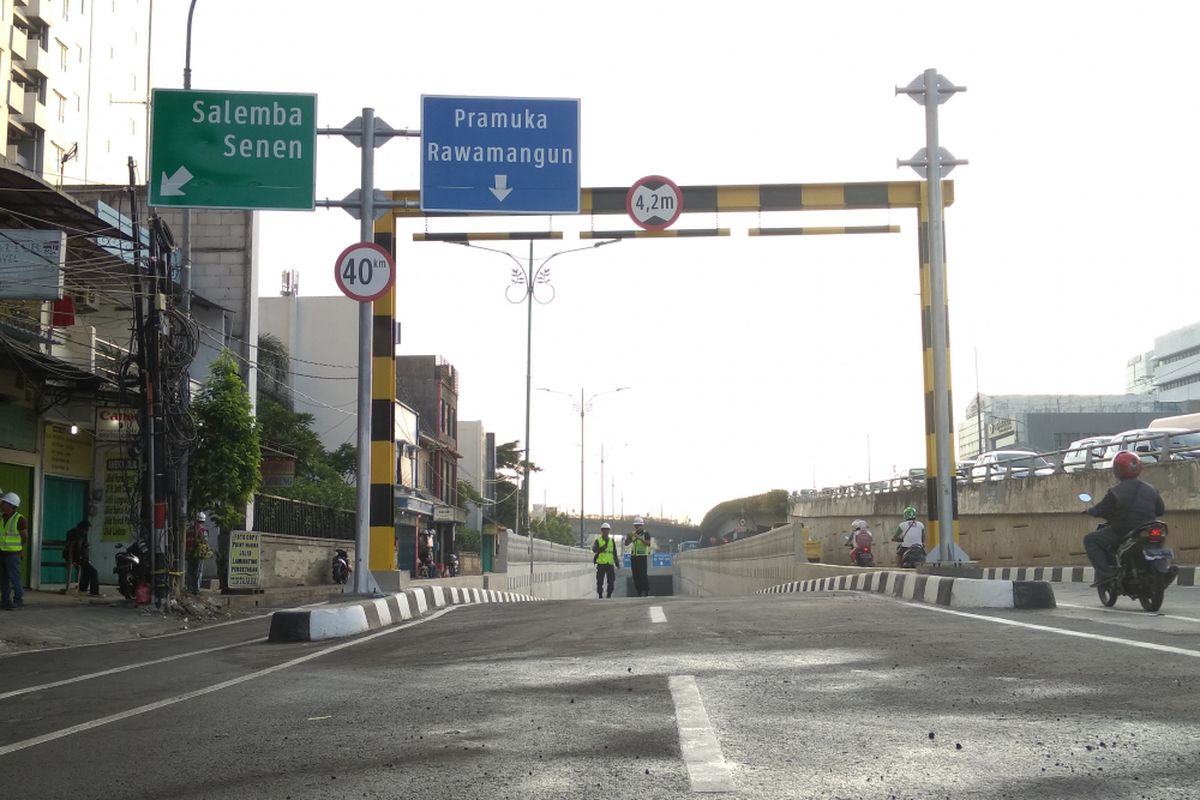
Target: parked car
<point>1149,443</point>
<point>1077,454</point>
<point>996,465</point>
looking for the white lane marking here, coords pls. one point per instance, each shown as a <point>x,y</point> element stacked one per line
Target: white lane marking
<point>216,687</point>
<point>126,668</point>
<point>1162,648</point>
<point>657,615</point>
<point>1126,611</point>
<point>701,751</point>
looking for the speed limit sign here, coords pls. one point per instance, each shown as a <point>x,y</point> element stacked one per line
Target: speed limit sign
<point>654,202</point>
<point>364,272</point>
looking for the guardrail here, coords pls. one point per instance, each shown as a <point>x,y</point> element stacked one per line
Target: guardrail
<point>1152,447</point>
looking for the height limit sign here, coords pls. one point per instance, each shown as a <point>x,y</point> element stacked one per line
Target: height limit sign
<point>364,272</point>
<point>654,202</point>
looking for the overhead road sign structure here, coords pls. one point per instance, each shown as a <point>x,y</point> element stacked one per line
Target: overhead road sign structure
<point>673,233</point>
<point>499,155</point>
<point>488,236</point>
<point>736,198</point>
<point>243,150</point>
<point>831,230</point>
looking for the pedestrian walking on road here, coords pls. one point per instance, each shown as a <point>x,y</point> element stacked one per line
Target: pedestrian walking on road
<point>197,550</point>
<point>605,559</point>
<point>79,553</point>
<point>639,559</point>
<point>14,532</point>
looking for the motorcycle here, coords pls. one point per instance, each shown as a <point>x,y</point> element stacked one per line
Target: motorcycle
<point>1144,566</point>
<point>911,556</point>
<point>860,541</point>
<point>130,568</point>
<point>452,567</point>
<point>341,566</point>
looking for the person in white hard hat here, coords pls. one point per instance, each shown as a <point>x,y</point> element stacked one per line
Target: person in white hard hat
<point>639,558</point>
<point>605,559</point>
<point>197,550</point>
<point>14,532</point>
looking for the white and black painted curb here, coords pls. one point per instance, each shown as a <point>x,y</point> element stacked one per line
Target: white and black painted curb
<point>1186,576</point>
<point>349,619</point>
<point>936,589</point>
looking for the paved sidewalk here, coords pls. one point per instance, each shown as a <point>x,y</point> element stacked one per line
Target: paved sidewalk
<point>53,619</point>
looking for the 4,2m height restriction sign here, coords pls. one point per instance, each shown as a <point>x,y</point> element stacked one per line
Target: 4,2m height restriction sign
<point>654,202</point>
<point>364,272</point>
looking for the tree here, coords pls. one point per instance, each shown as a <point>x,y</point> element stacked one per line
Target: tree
<point>509,470</point>
<point>225,464</point>
<point>554,527</point>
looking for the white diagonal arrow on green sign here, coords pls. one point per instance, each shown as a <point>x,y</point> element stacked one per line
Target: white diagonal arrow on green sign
<point>233,149</point>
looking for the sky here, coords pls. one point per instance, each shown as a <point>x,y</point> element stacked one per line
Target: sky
<point>754,363</point>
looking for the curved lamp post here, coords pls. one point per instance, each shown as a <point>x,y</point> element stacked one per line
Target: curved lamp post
<point>584,406</point>
<point>526,278</point>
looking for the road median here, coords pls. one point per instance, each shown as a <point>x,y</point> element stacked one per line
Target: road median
<point>372,613</point>
<point>935,589</point>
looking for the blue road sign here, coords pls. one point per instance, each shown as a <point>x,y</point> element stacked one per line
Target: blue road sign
<point>499,155</point>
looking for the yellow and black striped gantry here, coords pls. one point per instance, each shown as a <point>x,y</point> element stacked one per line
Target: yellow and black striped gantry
<point>713,199</point>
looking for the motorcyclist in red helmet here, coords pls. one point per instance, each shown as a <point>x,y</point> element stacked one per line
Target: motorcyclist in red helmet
<point>1130,503</point>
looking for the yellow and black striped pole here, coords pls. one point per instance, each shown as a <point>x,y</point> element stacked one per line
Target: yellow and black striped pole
<point>382,552</point>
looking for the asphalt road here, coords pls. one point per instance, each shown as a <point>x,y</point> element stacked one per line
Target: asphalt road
<point>804,695</point>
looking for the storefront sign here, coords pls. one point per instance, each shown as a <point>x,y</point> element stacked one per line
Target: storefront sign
<point>121,497</point>
<point>245,559</point>
<point>115,424</point>
<point>67,454</point>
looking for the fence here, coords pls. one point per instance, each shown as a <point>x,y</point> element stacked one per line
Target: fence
<point>287,517</point>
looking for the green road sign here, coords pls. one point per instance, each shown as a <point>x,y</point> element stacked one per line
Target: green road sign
<point>232,149</point>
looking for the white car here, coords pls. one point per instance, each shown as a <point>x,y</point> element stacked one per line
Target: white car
<point>1077,459</point>
<point>996,465</point>
<point>1148,443</point>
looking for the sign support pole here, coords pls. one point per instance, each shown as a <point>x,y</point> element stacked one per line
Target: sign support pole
<point>362,533</point>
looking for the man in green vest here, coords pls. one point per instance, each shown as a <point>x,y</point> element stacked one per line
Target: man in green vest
<point>13,533</point>
<point>639,558</point>
<point>605,558</point>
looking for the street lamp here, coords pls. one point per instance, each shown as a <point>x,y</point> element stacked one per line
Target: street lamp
<point>584,406</point>
<point>526,278</point>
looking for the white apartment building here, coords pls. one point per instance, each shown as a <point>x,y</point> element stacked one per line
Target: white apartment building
<point>1171,371</point>
<point>76,76</point>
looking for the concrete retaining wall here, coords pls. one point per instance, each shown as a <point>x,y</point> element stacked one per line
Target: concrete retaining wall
<point>1025,522</point>
<point>289,561</point>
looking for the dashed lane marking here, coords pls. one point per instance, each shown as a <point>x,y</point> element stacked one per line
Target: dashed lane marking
<point>657,615</point>
<point>701,750</point>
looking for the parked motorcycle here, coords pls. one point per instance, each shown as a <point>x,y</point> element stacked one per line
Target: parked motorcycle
<point>131,568</point>
<point>452,567</point>
<point>341,566</point>
<point>911,556</point>
<point>1144,566</point>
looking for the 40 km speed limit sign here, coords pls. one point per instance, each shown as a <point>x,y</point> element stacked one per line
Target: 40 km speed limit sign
<point>364,272</point>
<point>654,202</point>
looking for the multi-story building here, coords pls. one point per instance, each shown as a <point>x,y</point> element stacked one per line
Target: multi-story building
<point>1171,371</point>
<point>76,87</point>
<point>429,384</point>
<point>478,468</point>
<point>1047,422</point>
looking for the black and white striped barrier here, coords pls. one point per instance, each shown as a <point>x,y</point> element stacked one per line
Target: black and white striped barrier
<point>1186,576</point>
<point>349,619</point>
<point>936,589</point>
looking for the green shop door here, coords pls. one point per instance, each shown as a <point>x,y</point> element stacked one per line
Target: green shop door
<point>64,505</point>
<point>19,479</point>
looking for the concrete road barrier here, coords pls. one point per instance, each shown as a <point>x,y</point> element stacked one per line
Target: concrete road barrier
<point>939,590</point>
<point>349,619</point>
<point>1186,577</point>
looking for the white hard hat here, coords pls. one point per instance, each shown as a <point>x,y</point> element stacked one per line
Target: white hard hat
<point>201,517</point>
<point>639,521</point>
<point>12,498</point>
<point>604,526</point>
